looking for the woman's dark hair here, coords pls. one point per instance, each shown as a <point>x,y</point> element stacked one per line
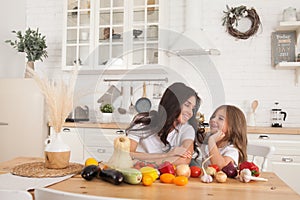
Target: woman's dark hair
<point>162,121</point>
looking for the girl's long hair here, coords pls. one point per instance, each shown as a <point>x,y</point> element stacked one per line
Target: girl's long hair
<point>236,130</point>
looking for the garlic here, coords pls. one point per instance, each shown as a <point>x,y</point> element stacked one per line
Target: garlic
<point>245,176</point>
<point>205,178</point>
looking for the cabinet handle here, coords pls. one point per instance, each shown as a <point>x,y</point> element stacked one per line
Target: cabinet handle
<point>101,150</point>
<point>66,130</point>
<point>3,123</point>
<point>120,132</point>
<point>264,137</point>
<point>287,159</point>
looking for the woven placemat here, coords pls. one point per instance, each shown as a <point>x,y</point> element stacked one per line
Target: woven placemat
<point>38,170</point>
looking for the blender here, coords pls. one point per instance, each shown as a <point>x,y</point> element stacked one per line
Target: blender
<point>277,115</point>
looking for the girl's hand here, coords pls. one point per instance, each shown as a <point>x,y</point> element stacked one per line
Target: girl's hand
<point>216,137</point>
<point>180,151</point>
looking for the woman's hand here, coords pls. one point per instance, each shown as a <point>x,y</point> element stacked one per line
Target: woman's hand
<point>180,151</point>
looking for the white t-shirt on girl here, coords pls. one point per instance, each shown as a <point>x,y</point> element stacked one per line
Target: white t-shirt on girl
<point>229,151</point>
<point>153,144</point>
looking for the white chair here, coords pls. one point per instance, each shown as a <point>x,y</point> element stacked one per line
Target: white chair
<point>262,151</point>
<point>51,194</point>
<point>15,195</point>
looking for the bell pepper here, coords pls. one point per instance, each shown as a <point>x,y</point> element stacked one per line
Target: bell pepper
<point>251,166</point>
<point>166,167</point>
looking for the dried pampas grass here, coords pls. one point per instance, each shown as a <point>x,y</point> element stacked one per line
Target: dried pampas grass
<point>58,96</point>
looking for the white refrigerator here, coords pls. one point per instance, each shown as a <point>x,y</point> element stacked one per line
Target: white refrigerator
<point>23,124</point>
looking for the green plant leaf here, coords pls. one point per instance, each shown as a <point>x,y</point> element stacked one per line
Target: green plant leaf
<point>32,43</point>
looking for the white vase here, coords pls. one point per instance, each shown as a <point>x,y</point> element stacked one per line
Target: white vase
<point>106,118</point>
<point>251,119</point>
<point>57,153</point>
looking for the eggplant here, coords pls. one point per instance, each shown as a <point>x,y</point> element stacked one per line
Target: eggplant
<point>90,172</point>
<point>230,170</point>
<point>112,176</point>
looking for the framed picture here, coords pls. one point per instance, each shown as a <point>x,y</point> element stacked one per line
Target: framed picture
<point>283,47</point>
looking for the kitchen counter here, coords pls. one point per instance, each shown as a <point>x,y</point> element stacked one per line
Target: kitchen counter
<point>251,129</point>
<point>273,189</point>
<point>115,125</point>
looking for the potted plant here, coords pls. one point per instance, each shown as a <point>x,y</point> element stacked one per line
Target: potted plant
<point>106,110</point>
<point>32,43</point>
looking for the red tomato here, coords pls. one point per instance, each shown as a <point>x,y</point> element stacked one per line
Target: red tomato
<point>195,171</point>
<point>215,166</point>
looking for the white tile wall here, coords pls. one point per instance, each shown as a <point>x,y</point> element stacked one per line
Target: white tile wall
<point>244,65</point>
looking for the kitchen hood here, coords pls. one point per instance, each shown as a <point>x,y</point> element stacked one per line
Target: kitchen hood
<point>194,39</point>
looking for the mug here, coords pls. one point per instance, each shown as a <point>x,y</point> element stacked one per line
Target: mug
<point>84,35</point>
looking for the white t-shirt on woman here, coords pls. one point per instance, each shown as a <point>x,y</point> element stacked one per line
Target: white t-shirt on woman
<point>153,144</point>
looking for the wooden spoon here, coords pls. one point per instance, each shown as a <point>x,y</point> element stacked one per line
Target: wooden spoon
<point>254,105</point>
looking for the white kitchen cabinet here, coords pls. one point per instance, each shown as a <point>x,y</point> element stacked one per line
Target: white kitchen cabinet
<point>99,143</point>
<point>78,34</point>
<point>74,138</point>
<point>285,161</point>
<point>100,33</point>
<point>291,26</point>
<point>89,142</point>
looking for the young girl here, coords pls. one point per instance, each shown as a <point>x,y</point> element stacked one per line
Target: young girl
<point>227,141</point>
<point>169,133</point>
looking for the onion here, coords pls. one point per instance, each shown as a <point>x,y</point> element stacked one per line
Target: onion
<point>210,171</point>
<point>230,170</point>
<point>221,177</point>
<point>183,170</point>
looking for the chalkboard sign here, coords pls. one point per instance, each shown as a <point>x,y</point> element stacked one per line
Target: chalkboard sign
<point>283,46</point>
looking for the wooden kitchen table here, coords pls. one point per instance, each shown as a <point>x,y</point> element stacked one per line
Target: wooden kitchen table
<point>275,188</point>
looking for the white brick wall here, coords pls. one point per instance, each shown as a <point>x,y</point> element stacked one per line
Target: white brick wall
<point>244,65</point>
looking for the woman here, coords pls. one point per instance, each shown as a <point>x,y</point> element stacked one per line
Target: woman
<point>227,141</point>
<point>167,134</point>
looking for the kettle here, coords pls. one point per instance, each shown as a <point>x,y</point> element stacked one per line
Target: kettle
<point>277,116</point>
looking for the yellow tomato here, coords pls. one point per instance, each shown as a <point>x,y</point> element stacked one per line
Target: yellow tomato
<point>91,161</point>
<point>166,178</point>
<point>180,180</point>
<point>147,180</point>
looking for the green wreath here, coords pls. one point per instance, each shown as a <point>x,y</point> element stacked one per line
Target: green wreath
<point>233,15</point>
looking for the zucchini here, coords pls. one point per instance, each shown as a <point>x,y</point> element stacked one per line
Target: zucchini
<point>131,175</point>
<point>112,176</point>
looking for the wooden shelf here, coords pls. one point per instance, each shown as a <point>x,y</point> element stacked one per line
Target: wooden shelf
<point>291,66</point>
<point>288,65</point>
<point>289,26</point>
